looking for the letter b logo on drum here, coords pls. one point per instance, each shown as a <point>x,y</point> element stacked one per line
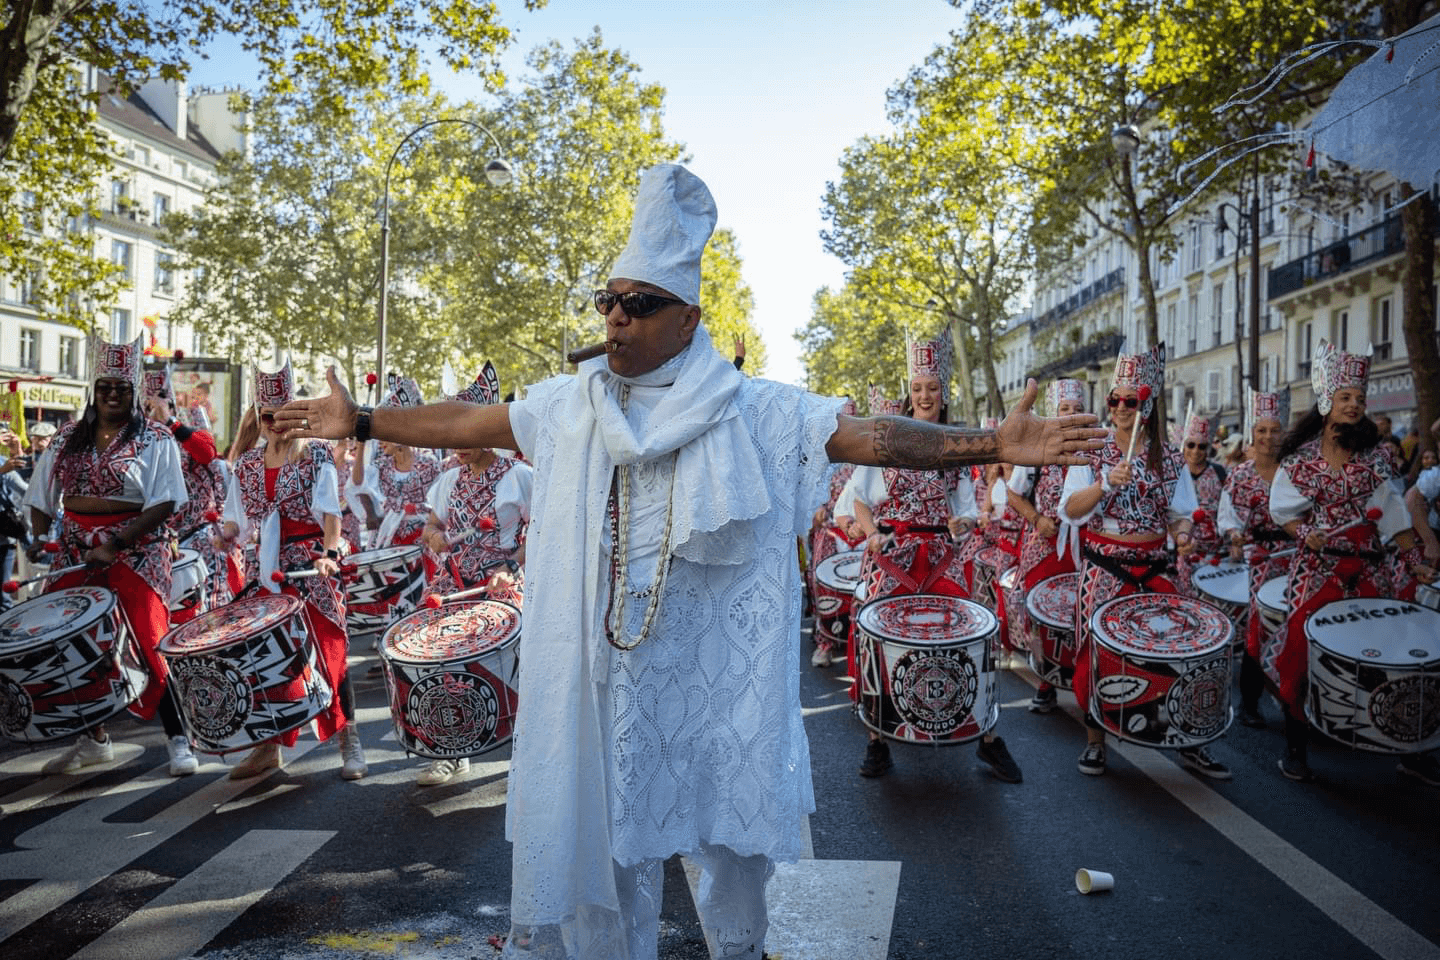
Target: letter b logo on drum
<point>935,690</point>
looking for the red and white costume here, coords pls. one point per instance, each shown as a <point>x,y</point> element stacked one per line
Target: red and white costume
<point>484,516</point>
<point>1209,484</point>
<point>140,468</point>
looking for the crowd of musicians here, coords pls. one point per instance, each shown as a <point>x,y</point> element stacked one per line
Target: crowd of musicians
<point>1318,501</point>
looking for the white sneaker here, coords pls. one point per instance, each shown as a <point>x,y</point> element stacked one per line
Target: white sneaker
<point>182,760</point>
<point>823,655</point>
<point>354,766</point>
<point>86,753</point>
<point>264,757</point>
<point>440,771</point>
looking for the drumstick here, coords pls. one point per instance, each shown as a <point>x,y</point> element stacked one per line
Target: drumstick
<point>590,352</point>
<point>11,586</point>
<point>1141,396</point>
<point>433,601</point>
<point>280,576</point>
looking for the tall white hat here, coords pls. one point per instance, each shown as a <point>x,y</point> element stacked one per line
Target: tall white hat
<point>674,217</point>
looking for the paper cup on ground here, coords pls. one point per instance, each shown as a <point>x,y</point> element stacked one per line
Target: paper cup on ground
<point>1093,881</point>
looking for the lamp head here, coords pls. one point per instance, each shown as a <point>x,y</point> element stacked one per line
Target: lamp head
<point>499,173</point>
<point>1125,140</point>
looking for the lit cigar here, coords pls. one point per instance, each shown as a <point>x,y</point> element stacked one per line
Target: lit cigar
<point>587,353</point>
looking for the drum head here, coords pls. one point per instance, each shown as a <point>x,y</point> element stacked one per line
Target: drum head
<point>1272,594</point>
<point>1162,626</point>
<point>1378,631</point>
<point>1052,601</point>
<point>51,616</point>
<point>926,620</point>
<point>841,571</point>
<point>222,627</point>
<point>386,556</point>
<point>455,632</point>
<point>1010,579</point>
<point>186,558</point>
<point>994,558</point>
<point>1226,582</point>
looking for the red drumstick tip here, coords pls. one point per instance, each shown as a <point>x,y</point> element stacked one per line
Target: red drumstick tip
<point>1200,516</point>
<point>1143,394</point>
<point>371,379</point>
<point>1373,514</point>
<point>1215,560</point>
<point>431,602</point>
<point>11,586</point>
<point>210,516</point>
<point>486,523</point>
<point>409,509</point>
<point>277,577</point>
<point>52,547</point>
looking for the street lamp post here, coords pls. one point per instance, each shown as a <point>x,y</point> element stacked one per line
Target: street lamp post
<point>497,171</point>
<point>1254,229</point>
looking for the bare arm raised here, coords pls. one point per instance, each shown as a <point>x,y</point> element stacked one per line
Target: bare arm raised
<point>1023,439</point>
<point>451,424</point>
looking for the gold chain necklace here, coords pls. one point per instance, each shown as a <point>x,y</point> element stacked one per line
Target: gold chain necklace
<point>620,551</point>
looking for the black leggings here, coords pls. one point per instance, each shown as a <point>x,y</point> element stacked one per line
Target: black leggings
<point>1252,682</point>
<point>170,716</point>
<point>347,698</point>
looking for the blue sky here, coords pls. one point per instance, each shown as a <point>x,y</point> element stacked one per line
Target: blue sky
<point>765,94</point>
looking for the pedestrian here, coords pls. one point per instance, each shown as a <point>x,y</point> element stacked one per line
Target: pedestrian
<point>659,700</point>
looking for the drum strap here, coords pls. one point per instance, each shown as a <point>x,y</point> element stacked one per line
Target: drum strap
<point>938,570</point>
<point>1126,571</point>
<point>1371,556</point>
<point>1270,536</point>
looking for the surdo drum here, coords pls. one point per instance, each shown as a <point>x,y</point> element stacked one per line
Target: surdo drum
<point>1274,607</point>
<point>187,585</point>
<point>926,668</point>
<point>451,673</point>
<point>1428,595</point>
<point>1051,605</point>
<point>1160,669</point>
<point>1227,586</point>
<point>1375,674</point>
<point>67,663</point>
<point>386,585</point>
<point>835,580</point>
<point>246,672</point>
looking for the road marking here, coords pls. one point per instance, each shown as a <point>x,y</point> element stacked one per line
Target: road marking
<point>70,853</point>
<point>1357,914</point>
<point>41,792</point>
<point>197,907</point>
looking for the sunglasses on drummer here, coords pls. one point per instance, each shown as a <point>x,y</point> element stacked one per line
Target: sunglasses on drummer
<point>635,305</point>
<point>1114,401</point>
<point>1192,445</point>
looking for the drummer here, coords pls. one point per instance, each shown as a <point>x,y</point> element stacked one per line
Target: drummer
<point>831,534</point>
<point>925,512</point>
<point>1332,493</point>
<point>398,476</point>
<point>1123,507</point>
<point>118,479</point>
<point>206,481</point>
<point>1208,478</point>
<point>1034,494</point>
<point>286,491</point>
<point>1254,538</point>
<point>476,526</point>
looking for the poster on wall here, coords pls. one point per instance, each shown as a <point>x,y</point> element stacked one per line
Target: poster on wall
<point>207,395</point>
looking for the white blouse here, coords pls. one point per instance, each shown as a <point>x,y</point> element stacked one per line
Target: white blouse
<point>512,500</point>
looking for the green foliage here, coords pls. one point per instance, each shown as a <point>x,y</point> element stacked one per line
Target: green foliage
<point>852,341</point>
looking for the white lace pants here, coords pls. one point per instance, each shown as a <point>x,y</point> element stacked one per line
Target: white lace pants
<point>730,902</point>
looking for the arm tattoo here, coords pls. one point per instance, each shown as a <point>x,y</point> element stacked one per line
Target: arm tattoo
<point>903,442</point>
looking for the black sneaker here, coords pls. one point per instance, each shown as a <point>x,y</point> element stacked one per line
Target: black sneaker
<point>877,759</point>
<point>1420,766</point>
<point>1092,761</point>
<point>1295,768</point>
<point>1250,717</point>
<point>1199,760</point>
<point>1045,700</point>
<point>998,756</point>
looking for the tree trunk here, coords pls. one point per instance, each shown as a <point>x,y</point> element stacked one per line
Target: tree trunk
<point>1418,292</point>
<point>994,403</point>
<point>960,337</point>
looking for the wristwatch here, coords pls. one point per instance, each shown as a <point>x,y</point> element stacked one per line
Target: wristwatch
<point>362,423</point>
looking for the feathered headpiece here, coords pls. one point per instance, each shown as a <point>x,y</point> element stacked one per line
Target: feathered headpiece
<point>1060,391</point>
<point>117,361</point>
<point>1266,406</point>
<point>1334,369</point>
<point>274,389</point>
<point>932,358</point>
<point>881,405</point>
<point>486,388</point>
<point>1138,370</point>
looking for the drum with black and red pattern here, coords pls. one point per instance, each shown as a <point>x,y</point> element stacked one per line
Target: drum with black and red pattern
<point>835,580</point>
<point>1051,606</point>
<point>381,586</point>
<point>926,665</point>
<point>1160,669</point>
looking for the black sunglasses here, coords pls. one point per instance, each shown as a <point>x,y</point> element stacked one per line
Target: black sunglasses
<point>119,389</point>
<point>1114,401</point>
<point>635,305</point>
<point>1192,445</point>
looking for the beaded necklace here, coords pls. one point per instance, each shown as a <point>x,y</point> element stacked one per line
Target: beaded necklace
<point>620,551</point>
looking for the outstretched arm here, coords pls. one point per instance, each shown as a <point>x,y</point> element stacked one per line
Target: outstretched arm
<point>452,424</point>
<point>1023,439</point>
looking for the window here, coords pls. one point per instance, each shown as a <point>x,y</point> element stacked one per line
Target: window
<point>162,209</point>
<point>120,326</point>
<point>1217,310</point>
<point>1212,390</point>
<point>1306,351</point>
<point>165,274</point>
<point>1342,330</point>
<point>1170,331</point>
<point>1192,318</point>
<point>1384,328</point>
<point>142,156</point>
<point>70,356</point>
<point>1197,240</point>
<point>29,349</point>
<point>199,344</point>
<point>119,195</point>
<point>120,255</point>
<point>25,287</point>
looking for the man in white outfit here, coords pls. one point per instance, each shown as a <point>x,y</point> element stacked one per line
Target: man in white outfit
<point>660,693</point>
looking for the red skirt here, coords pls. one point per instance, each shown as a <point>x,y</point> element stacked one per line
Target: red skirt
<point>1098,586</point>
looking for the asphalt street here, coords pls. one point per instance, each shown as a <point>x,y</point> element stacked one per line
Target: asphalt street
<point>938,859</point>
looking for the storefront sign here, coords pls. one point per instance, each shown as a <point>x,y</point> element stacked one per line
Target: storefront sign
<point>1391,391</point>
<point>52,395</point>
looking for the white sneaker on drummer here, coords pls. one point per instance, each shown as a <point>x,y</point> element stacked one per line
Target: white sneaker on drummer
<point>182,760</point>
<point>354,766</point>
<point>87,752</point>
<point>442,771</point>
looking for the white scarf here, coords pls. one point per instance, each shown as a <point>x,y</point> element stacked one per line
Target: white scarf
<point>558,808</point>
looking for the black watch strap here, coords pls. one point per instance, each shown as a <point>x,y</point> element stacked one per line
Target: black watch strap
<point>362,423</point>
